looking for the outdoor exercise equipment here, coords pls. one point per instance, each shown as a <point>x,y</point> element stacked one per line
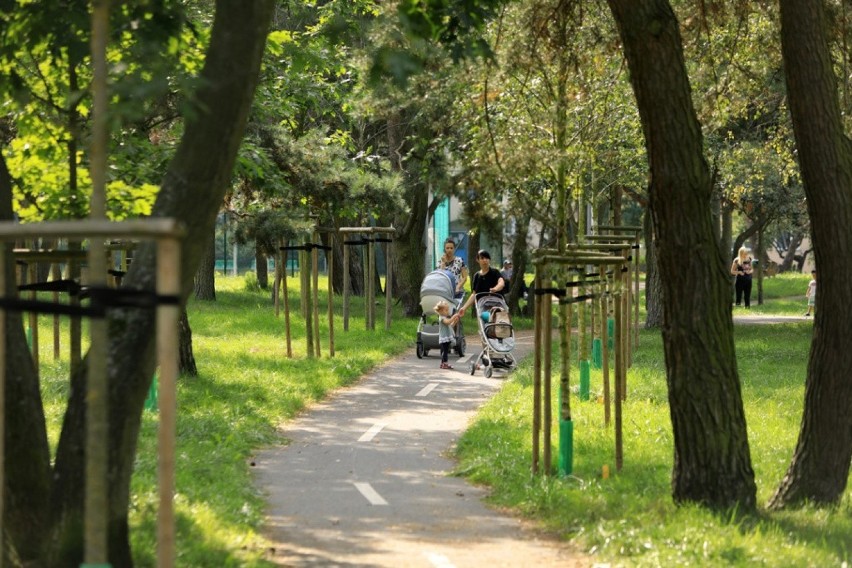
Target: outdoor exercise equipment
<point>578,259</point>
<point>369,274</point>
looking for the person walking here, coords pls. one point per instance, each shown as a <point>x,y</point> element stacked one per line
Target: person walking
<point>810,294</point>
<point>487,279</point>
<point>454,264</point>
<point>742,268</point>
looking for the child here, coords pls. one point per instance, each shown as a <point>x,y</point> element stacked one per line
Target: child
<point>446,322</point>
<point>811,294</point>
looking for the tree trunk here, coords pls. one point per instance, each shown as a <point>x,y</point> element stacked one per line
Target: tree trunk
<point>517,286</point>
<point>760,255</point>
<point>205,278</point>
<point>653,285</point>
<point>726,240</point>
<point>712,465</point>
<point>262,267</point>
<point>187,357</point>
<point>50,531</point>
<point>820,467</point>
<point>27,467</point>
<point>409,248</point>
<point>790,256</point>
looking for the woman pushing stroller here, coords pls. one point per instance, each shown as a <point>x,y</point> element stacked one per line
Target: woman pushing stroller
<point>487,279</point>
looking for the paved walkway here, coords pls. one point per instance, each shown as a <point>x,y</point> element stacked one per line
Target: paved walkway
<point>364,480</point>
<point>754,319</point>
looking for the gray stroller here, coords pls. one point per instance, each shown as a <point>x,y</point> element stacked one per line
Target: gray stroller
<point>496,333</point>
<point>437,285</point>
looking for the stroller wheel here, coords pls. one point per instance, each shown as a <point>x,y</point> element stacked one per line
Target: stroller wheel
<point>420,351</point>
<point>472,368</point>
<point>489,370</point>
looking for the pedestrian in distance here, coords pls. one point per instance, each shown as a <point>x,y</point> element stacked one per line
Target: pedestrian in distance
<point>811,293</point>
<point>486,279</point>
<point>507,271</point>
<point>742,268</point>
<point>446,325</point>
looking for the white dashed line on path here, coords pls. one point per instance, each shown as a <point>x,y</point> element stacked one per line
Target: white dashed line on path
<point>370,494</point>
<point>439,560</point>
<point>427,389</point>
<point>371,433</point>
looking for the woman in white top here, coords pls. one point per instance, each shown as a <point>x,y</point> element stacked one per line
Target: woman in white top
<point>452,263</point>
<point>742,268</point>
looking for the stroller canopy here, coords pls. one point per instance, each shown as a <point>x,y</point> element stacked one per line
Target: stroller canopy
<point>440,283</point>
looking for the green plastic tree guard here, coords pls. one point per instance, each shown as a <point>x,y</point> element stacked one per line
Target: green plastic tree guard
<point>151,403</point>
<point>597,353</point>
<point>610,331</point>
<point>584,379</point>
<point>566,447</point>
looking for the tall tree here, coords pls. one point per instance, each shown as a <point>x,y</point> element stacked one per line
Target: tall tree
<point>820,467</point>
<point>712,464</point>
<point>192,192</point>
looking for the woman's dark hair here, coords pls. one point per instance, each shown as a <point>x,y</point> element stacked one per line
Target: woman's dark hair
<point>483,254</point>
<point>450,241</point>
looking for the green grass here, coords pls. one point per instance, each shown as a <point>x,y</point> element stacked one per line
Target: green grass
<point>629,519</point>
<point>247,387</point>
<point>783,295</point>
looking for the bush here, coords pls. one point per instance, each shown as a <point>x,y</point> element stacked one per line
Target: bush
<point>251,283</point>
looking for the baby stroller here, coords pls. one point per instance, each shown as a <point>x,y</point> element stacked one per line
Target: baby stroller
<point>438,285</point>
<point>496,333</point>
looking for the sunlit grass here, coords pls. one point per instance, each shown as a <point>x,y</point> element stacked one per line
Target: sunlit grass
<point>247,387</point>
<point>629,519</point>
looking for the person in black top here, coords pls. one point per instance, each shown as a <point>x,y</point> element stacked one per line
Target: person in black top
<point>487,279</point>
<point>742,268</point>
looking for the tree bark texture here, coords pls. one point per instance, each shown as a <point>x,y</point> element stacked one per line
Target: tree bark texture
<point>262,267</point>
<point>409,250</point>
<point>712,464</point>
<point>51,532</point>
<point>187,364</point>
<point>205,278</point>
<point>790,256</point>
<point>27,465</point>
<point>653,285</point>
<point>820,467</point>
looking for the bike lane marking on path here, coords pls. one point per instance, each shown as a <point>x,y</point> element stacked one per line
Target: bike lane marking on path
<point>427,389</point>
<point>314,518</point>
<point>439,560</point>
<point>369,493</point>
<point>371,433</point>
